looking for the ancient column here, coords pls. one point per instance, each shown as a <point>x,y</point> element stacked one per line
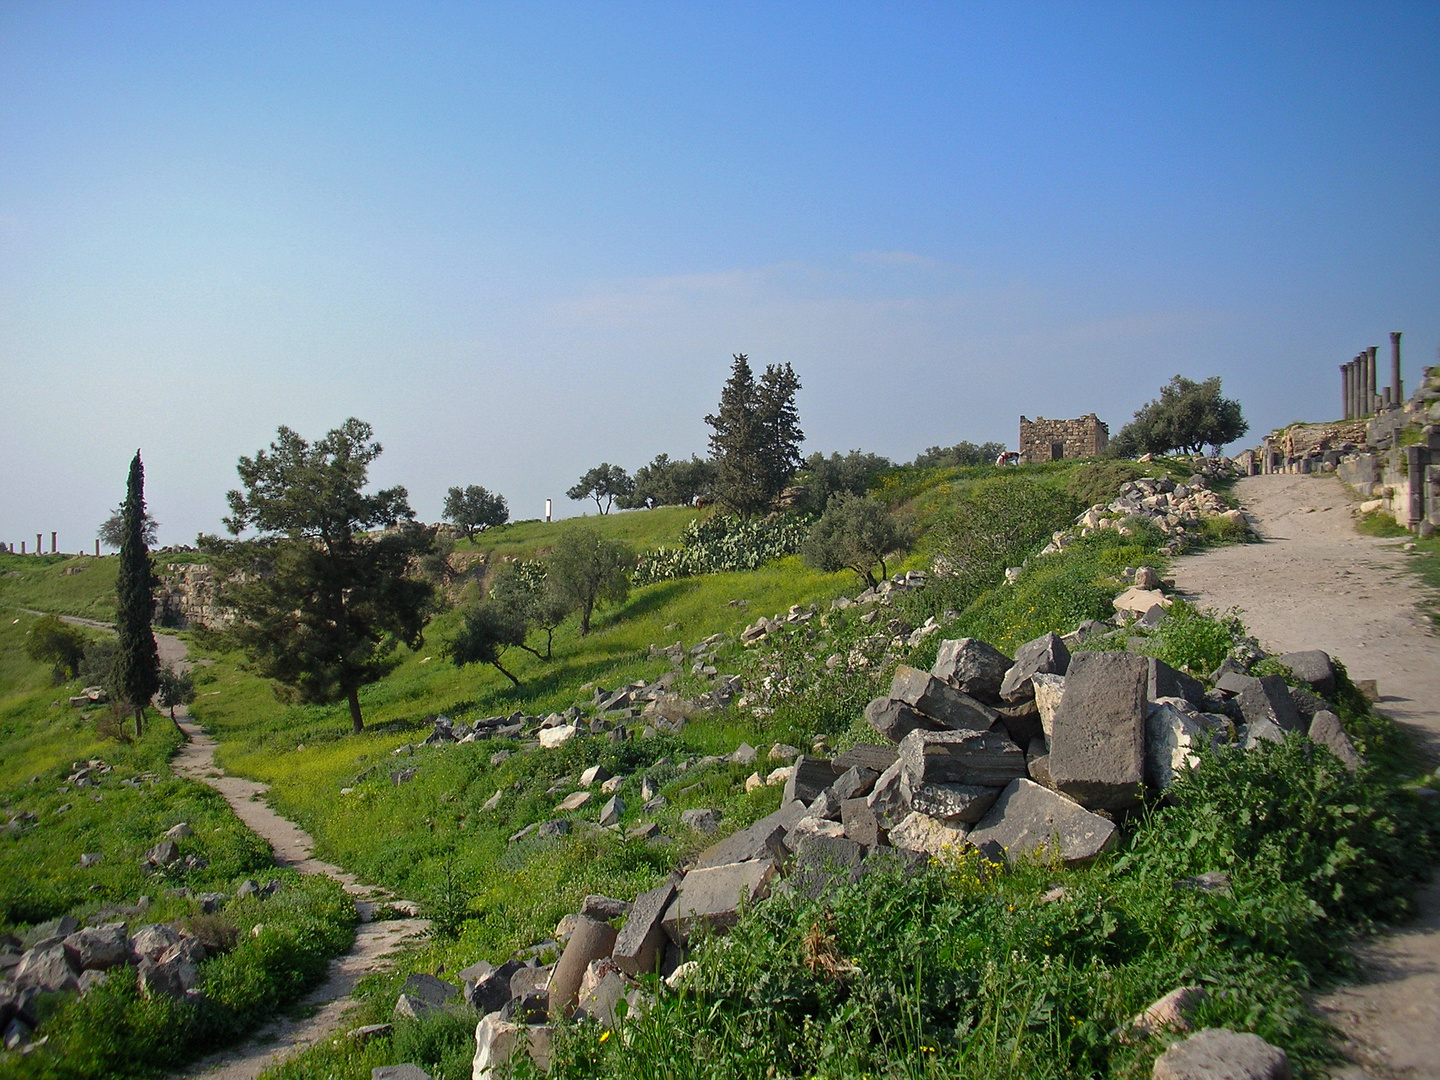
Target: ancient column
<point>39,545</point>
<point>1397,394</point>
<point>1372,404</point>
<point>1345,391</point>
<point>53,548</point>
<point>1354,409</point>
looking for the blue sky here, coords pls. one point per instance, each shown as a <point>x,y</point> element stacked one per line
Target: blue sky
<point>520,239</point>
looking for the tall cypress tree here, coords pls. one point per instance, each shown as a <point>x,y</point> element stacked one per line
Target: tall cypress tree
<point>137,661</point>
<point>756,436</point>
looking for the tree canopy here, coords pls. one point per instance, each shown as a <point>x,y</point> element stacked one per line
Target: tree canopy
<point>52,642</point>
<point>488,630</point>
<point>525,590</point>
<point>670,483</point>
<point>856,531</point>
<point>586,569</point>
<point>472,509</point>
<point>137,660</point>
<point>854,472</point>
<point>963,453</point>
<point>605,484</point>
<point>112,531</point>
<point>322,595</point>
<point>756,436</point>
<point>1187,416</point>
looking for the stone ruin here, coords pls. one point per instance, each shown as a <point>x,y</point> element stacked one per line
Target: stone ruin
<point>1057,440</point>
<point>1387,449</point>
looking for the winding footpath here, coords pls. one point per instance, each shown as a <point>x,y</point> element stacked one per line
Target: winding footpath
<point>321,1012</point>
<point>1315,583</point>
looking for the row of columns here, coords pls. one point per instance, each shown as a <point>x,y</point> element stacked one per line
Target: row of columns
<point>1358,394</point>
<point>40,547</point>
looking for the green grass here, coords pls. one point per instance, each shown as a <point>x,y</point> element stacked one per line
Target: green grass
<point>1423,559</point>
<point>42,583</point>
<point>642,529</point>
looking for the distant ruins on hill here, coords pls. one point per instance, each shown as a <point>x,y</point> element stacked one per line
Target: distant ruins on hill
<point>1059,440</point>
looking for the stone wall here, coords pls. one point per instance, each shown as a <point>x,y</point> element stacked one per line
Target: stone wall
<point>186,597</point>
<point>1054,440</point>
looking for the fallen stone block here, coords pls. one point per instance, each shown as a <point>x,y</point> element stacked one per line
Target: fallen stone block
<point>701,819</point>
<point>432,991</point>
<point>602,988</point>
<point>1307,704</point>
<point>713,897</point>
<point>1021,720</point>
<point>641,941</point>
<point>1314,667</point>
<point>1037,761</point>
<point>1268,698</point>
<point>51,968</point>
<point>163,853</point>
<point>1046,655</point>
<point>602,908</point>
<point>867,756</point>
<point>1172,739</point>
<point>498,1040</point>
<point>894,719</point>
<point>939,700</point>
<point>1221,1054</point>
<point>979,758</point>
<point>1165,681</point>
<point>1027,817</point>
<point>1138,601</point>
<point>972,666</point>
<point>612,811</point>
<point>952,803</point>
<point>810,777</point>
<point>399,1072</point>
<point>491,992</point>
<point>1049,689</point>
<point>152,941</point>
<point>823,862</point>
<point>887,800</point>
<point>854,783</point>
<point>859,822</point>
<point>1097,753</point>
<point>578,801</point>
<point>1234,682</point>
<point>931,836</point>
<point>764,839</point>
<point>1326,730</point>
<point>591,940</point>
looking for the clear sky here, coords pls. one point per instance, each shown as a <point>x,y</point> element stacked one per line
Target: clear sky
<point>520,239</point>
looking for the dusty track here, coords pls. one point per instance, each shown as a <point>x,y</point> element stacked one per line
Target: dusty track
<point>322,1010</point>
<point>1316,583</point>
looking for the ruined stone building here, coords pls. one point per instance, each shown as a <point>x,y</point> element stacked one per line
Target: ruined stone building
<point>1057,440</point>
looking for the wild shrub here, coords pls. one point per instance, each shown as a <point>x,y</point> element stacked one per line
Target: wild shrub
<point>1096,483</point>
<point>53,642</point>
<point>1195,641</point>
<point>722,542</point>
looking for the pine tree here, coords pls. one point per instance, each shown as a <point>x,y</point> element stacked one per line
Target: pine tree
<point>757,436</point>
<point>137,661</point>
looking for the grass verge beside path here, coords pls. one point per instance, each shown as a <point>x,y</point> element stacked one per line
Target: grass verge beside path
<point>273,949</point>
<point>1423,559</point>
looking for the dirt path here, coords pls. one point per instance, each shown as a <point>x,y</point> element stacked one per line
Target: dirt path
<point>1317,583</point>
<point>321,1011</point>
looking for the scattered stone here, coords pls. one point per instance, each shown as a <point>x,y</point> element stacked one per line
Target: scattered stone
<point>972,666</point>
<point>612,811</point>
<point>98,948</point>
<point>955,803</point>
<point>1314,667</point>
<point>1221,1054</point>
<point>753,782</point>
<point>859,822</point>
<point>401,776</point>
<point>601,990</point>
<point>577,801</point>
<point>1171,738</point>
<point>887,801</point>
<point>1327,731</point>
<point>366,1032</point>
<point>783,752</point>
<point>89,859</point>
<point>920,832</point>
<point>854,783</point>
<point>557,736</point>
<point>1165,682</point>
<point>152,941</point>
<point>939,700</point>
<point>1046,655</point>
<point>744,754</point>
<point>714,896</point>
<point>701,820</point>
<point>1049,689</point>
<point>824,861</point>
<point>1268,699</point>
<point>163,853</point>
<point>399,1072</point>
<point>1138,601</point>
<point>1097,752</point>
<point>179,832</point>
<point>1037,762</point>
<point>595,774</point>
<point>490,992</point>
<point>1212,881</point>
<point>1147,578</point>
<point>1027,817</point>
<point>51,968</point>
<point>1170,1013</point>
<point>764,839</point>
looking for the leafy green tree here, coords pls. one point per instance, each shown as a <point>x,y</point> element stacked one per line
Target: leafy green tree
<point>487,632</point>
<point>472,509</point>
<point>855,531</point>
<point>112,532</point>
<point>585,569</point>
<point>323,594</point>
<point>855,472</point>
<point>176,688</point>
<point>605,484</point>
<point>137,660</point>
<point>52,642</point>
<point>524,589</point>
<point>1187,416</point>
<point>670,483</point>
<point>756,436</point>
<point>963,453</point>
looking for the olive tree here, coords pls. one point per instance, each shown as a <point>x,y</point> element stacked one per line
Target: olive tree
<point>855,531</point>
<point>586,569</point>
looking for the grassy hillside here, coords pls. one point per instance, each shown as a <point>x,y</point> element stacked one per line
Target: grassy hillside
<point>60,584</point>
<point>641,529</point>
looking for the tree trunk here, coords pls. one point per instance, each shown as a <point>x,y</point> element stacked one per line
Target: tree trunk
<point>355,720</point>
<point>139,723</point>
<point>585,610</point>
<point>512,678</point>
